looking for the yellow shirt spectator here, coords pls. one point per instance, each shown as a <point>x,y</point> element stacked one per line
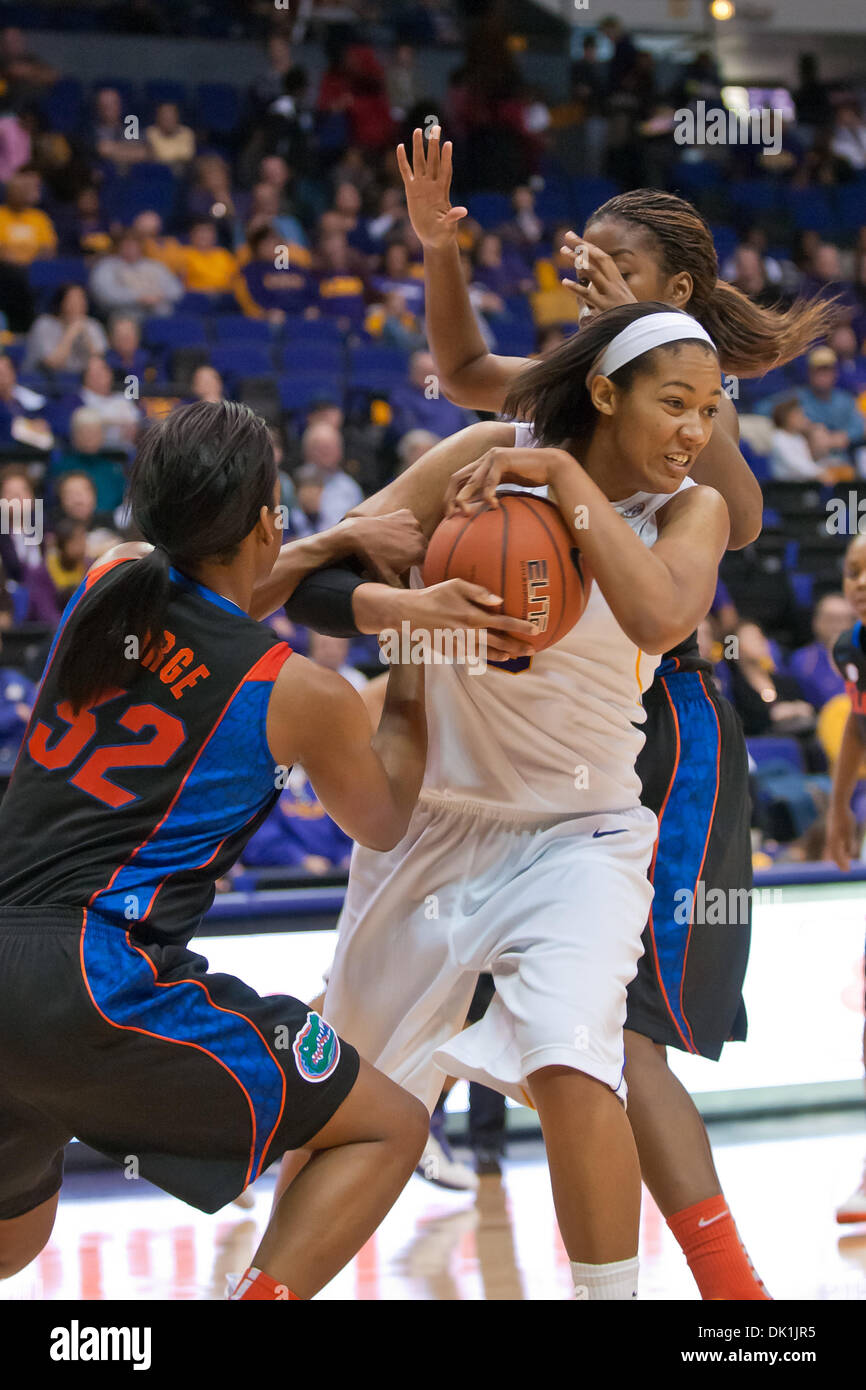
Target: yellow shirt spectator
<point>25,234</point>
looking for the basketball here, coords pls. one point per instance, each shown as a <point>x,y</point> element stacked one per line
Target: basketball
<point>522,551</point>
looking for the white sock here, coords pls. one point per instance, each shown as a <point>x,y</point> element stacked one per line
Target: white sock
<point>618,1280</point>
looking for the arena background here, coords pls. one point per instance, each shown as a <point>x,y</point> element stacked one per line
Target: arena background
<point>230,121</point>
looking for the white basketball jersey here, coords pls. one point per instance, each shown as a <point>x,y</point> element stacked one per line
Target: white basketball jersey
<point>558,738</point>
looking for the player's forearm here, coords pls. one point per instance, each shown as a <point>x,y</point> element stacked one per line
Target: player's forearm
<point>295,561</point>
<point>453,332</point>
<point>652,608</point>
<point>422,487</point>
<point>400,742</point>
<point>846,773</point>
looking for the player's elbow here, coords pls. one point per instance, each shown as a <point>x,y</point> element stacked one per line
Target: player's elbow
<point>383,837</point>
<point>746,527</point>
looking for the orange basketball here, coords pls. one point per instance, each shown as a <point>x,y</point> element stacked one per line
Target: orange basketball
<point>522,551</point>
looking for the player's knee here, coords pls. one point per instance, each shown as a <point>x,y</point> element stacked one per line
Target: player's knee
<point>23,1237</point>
<point>412,1127</point>
<point>18,1253</point>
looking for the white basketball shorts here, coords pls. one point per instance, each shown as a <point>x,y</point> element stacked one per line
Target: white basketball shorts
<point>554,910</point>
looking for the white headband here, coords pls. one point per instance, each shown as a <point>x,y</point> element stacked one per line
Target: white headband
<point>651,331</point>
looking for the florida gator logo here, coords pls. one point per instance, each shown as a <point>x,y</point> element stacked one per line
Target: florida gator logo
<point>316,1048</point>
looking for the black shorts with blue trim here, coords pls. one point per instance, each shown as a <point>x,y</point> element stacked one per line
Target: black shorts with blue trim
<point>688,991</point>
<point>188,1079</point>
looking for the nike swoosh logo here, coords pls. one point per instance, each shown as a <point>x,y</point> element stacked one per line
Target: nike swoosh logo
<point>708,1222</point>
<point>599,834</point>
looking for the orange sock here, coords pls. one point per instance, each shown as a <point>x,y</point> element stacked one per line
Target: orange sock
<point>717,1257</point>
<point>255,1284</point>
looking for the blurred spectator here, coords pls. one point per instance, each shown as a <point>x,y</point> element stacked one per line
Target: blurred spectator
<point>413,446</point>
<point>15,143</point>
<point>751,274</point>
<point>848,141</point>
<point>26,233</point>
<point>625,55</point>
<point>115,136</point>
<point>268,286</point>
<point>120,416</point>
<point>76,499</point>
<point>799,447</point>
<point>21,554</point>
<point>264,211</point>
<point>813,666</point>
<point>88,453</point>
<point>400,82</point>
<point>851,363</point>
<point>340,289</point>
<point>82,228</point>
<point>66,559</point>
<point>767,700</point>
<point>207,384</point>
<point>397,275</point>
<point>17,697</point>
<point>168,141</point>
<point>126,357</point>
<point>322,446</point>
<point>64,339</point>
<point>497,271</point>
<point>525,229</point>
<point>333,653</point>
<point>305,518</point>
<point>203,266</point>
<point>210,194</point>
<point>589,80</point>
<point>419,404</point>
<point>825,403</point>
<point>133,282</point>
<point>23,75</point>
<point>393,323</point>
<point>20,410</point>
<point>812,98</point>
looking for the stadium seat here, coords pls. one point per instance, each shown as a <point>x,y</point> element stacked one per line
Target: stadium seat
<point>62,108</point>
<point>490,209</point>
<point>299,329</point>
<point>313,357</point>
<point>238,328</point>
<point>218,107</point>
<point>174,331</point>
<point>811,209</point>
<point>242,359</point>
<point>794,498</point>
<point>298,391</point>
<point>50,275</point>
<point>386,359</point>
<point>769,748</point>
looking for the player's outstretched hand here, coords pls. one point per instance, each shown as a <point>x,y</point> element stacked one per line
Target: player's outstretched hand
<point>840,844</point>
<point>457,604</point>
<point>388,545</point>
<point>428,188</point>
<point>474,486</point>
<point>599,284</point>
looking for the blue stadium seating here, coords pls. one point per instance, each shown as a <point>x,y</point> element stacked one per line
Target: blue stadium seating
<point>175,331</point>
<point>490,209</point>
<point>233,328</point>
<point>299,390</point>
<point>769,748</point>
<point>313,356</point>
<point>242,359</point>
<point>218,107</point>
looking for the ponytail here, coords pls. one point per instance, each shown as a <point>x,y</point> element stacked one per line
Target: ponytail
<point>752,340</point>
<point>196,490</point>
<point>116,626</point>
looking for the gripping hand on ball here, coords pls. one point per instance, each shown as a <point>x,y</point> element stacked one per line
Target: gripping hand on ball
<point>474,486</point>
